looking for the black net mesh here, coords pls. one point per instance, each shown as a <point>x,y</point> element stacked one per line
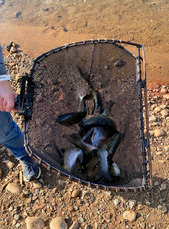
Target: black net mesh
<point>61,78</point>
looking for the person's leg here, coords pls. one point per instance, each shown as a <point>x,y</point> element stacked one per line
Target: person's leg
<point>12,138</point>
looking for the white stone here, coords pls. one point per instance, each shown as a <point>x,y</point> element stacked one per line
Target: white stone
<point>17,225</point>
<point>58,223</point>
<point>132,203</point>
<point>34,223</point>
<point>16,216</point>
<point>116,201</point>
<point>163,186</point>
<point>130,215</point>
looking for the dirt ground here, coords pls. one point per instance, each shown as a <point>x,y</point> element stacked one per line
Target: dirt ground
<point>40,26</point>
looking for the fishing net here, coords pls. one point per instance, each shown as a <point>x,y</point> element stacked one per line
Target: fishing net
<point>55,85</point>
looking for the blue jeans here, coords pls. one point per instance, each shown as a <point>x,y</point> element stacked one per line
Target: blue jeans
<point>11,135</point>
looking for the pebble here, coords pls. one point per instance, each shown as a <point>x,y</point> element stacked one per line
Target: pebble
<point>166,148</point>
<point>37,185</point>
<point>166,96</point>
<point>13,222</point>
<point>157,109</point>
<point>17,225</point>
<point>87,227</point>
<point>34,222</point>
<point>2,149</point>
<point>148,203</point>
<point>164,90</point>
<point>18,77</point>
<point>116,201</point>
<point>152,118</point>
<point>58,223</point>
<point>61,184</point>
<point>132,203</point>
<point>84,193</point>
<point>75,225</point>
<point>13,50</point>
<point>76,193</point>
<point>159,133</point>
<point>29,200</point>
<point>14,188</point>
<point>164,113</point>
<point>142,225</point>
<point>162,207</point>
<point>81,220</point>
<point>156,183</point>
<point>163,186</point>
<point>130,215</point>
<point>140,207</point>
<point>95,226</point>
<point>16,216</point>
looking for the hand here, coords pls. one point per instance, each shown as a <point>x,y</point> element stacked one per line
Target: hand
<point>7,96</point>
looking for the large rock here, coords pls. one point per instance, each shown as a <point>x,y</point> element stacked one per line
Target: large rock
<point>14,188</point>
<point>34,223</point>
<point>130,215</point>
<point>58,223</point>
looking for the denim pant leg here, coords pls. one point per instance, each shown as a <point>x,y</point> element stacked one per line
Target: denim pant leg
<point>11,135</point>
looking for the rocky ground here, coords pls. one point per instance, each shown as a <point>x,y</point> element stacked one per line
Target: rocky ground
<point>54,203</point>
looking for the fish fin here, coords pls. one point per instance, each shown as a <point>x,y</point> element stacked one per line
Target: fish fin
<point>107,110</point>
<point>104,168</point>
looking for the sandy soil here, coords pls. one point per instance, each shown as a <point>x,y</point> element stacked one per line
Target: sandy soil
<point>40,26</point>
